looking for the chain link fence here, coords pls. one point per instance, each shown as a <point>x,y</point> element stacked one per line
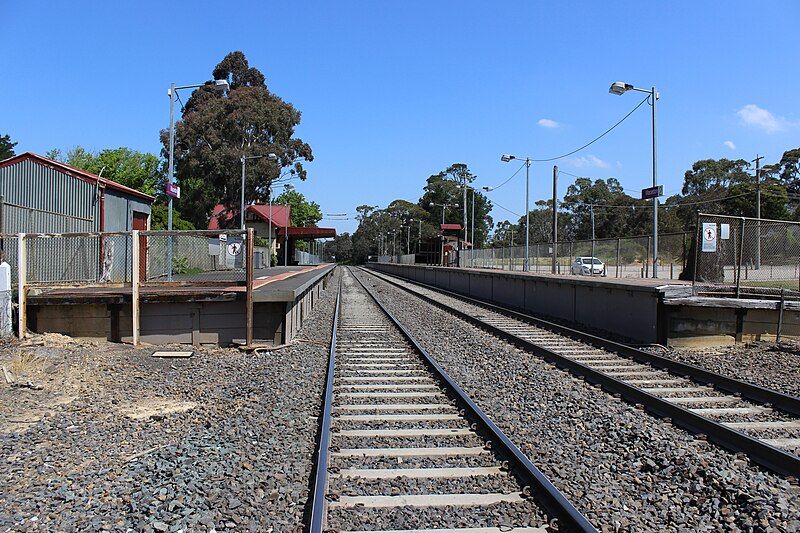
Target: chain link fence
<point>193,257</point>
<point>73,259</point>
<point>747,253</point>
<point>623,257</point>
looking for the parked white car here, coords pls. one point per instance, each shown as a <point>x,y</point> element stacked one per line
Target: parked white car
<point>586,266</point>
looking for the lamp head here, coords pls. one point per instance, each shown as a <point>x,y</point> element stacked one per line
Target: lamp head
<point>272,157</point>
<point>488,189</point>
<point>505,158</point>
<point>431,204</point>
<point>619,87</point>
<point>221,86</point>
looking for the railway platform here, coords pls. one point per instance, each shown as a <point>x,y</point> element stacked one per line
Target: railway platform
<point>189,311</point>
<point>637,310</point>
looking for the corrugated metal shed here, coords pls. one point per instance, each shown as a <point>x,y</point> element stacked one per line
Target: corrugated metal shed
<point>45,196</point>
<point>40,195</point>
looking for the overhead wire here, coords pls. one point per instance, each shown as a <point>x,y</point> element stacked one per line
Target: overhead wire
<point>609,130</point>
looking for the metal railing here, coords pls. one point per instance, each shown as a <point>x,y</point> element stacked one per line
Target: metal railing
<point>623,257</point>
<point>747,254</point>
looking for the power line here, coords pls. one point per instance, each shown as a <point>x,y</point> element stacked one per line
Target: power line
<point>506,209</point>
<point>596,138</point>
<point>510,178</point>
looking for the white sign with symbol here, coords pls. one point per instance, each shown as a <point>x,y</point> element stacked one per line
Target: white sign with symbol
<point>709,237</point>
<point>234,248</point>
<point>724,231</point>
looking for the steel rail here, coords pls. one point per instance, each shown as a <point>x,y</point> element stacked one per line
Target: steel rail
<point>318,504</point>
<point>770,457</point>
<point>552,499</point>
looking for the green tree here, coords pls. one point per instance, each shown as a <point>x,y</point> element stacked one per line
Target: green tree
<point>615,213</point>
<point>340,248</point>
<point>303,212</point>
<point>158,219</point>
<point>446,187</point>
<point>217,130</point>
<point>6,147</point>
<point>137,170</point>
<point>709,175</point>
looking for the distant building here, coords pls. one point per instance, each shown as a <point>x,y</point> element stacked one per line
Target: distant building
<point>275,228</point>
<point>40,195</point>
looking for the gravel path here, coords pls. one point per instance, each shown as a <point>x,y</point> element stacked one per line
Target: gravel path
<point>118,440</point>
<point>775,366</point>
<point>621,467</point>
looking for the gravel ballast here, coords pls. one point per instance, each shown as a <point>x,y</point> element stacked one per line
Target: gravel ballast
<point>624,469</point>
<point>771,365</point>
<point>119,440</point>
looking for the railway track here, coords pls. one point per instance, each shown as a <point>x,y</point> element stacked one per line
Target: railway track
<point>403,448</point>
<point>740,416</point>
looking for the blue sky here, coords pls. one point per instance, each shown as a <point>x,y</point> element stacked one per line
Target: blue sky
<point>392,92</point>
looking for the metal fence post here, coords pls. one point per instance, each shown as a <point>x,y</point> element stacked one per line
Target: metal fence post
<point>618,245</point>
<point>739,262</point>
<point>647,260</point>
<point>780,318</point>
<point>697,238</point>
<point>249,282</point>
<point>591,267</point>
<point>22,274</point>
<point>135,255</point>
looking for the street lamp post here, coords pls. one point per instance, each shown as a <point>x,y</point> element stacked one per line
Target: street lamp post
<point>620,88</point>
<point>220,86</point>
<point>505,158</point>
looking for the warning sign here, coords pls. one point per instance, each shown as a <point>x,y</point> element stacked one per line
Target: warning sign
<point>234,248</point>
<point>709,237</point>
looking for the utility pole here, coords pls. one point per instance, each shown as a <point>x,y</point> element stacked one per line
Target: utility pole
<point>758,210</point>
<point>465,208</point>
<point>525,265</point>
<point>554,266</point>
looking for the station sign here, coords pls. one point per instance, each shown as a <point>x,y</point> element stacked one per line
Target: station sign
<point>172,190</point>
<point>652,192</point>
<point>709,238</point>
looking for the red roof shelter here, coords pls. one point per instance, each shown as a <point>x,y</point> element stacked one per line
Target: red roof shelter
<point>226,217</point>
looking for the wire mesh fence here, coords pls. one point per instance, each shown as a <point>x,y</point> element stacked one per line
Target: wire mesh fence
<point>196,257</point>
<point>624,257</point>
<point>747,252</point>
<point>59,259</point>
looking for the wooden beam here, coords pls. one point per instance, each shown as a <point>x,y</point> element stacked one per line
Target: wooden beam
<point>249,267</point>
<point>22,273</point>
<point>135,254</point>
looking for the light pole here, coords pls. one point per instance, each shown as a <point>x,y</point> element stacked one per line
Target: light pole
<point>220,86</point>
<point>620,88</point>
<point>244,159</point>
<point>505,158</point>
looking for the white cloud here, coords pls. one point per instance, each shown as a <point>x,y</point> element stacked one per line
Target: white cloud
<point>730,145</point>
<point>588,161</point>
<point>752,115</point>
<point>548,123</point>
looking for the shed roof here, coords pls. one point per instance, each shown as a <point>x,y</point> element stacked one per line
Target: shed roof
<point>221,216</point>
<point>75,173</point>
